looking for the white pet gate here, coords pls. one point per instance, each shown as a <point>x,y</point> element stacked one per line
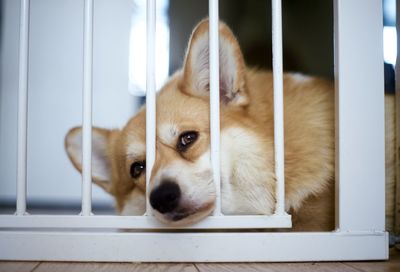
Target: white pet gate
<point>360,202</point>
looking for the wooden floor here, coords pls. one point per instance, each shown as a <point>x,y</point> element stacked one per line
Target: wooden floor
<point>393,265</point>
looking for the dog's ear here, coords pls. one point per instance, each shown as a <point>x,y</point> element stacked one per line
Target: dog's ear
<point>196,73</point>
<point>101,165</point>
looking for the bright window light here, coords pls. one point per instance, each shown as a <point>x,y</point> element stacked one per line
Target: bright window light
<point>137,47</point>
<point>389,44</point>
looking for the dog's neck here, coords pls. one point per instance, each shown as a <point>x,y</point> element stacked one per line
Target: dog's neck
<point>244,155</point>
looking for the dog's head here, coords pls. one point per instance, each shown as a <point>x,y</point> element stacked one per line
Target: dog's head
<point>182,190</point>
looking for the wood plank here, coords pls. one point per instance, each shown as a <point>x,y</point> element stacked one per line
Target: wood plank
<point>269,267</point>
<point>17,266</point>
<point>392,265</point>
<point>314,267</point>
<point>112,267</point>
<point>165,267</point>
<point>87,267</point>
<point>389,266</point>
<point>233,267</point>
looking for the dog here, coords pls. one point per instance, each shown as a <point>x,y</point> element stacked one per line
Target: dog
<point>182,190</point>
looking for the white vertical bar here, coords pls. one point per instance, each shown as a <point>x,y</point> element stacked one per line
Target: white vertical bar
<point>150,95</point>
<point>397,118</point>
<point>87,110</point>
<point>278,105</point>
<point>360,160</point>
<point>22,107</point>
<point>214,101</point>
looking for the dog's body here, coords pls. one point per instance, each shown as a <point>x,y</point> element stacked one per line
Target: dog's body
<point>182,189</point>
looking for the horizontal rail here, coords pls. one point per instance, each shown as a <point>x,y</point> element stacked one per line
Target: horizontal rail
<point>193,247</point>
<point>141,222</point>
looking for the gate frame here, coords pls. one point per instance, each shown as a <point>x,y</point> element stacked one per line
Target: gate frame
<point>360,183</point>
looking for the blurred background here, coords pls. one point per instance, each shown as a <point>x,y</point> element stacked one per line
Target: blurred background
<point>55,74</point>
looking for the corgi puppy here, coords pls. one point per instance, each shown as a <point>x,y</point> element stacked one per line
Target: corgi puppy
<point>182,189</point>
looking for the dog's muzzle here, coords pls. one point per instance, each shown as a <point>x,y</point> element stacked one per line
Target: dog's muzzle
<point>166,197</point>
<point>171,207</point>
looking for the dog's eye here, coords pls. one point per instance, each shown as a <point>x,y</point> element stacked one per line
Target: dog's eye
<point>137,168</point>
<point>186,139</point>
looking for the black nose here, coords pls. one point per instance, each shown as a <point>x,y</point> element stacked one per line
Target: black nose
<point>165,197</point>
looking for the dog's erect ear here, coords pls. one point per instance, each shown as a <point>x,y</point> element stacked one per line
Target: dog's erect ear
<point>101,165</point>
<point>196,77</point>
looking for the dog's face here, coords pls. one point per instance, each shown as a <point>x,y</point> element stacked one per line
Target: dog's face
<point>182,190</point>
<point>181,185</point>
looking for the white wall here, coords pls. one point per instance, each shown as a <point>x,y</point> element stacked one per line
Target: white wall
<point>55,84</point>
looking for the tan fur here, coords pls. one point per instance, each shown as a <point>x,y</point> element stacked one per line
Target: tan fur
<point>247,162</point>
<point>390,160</point>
